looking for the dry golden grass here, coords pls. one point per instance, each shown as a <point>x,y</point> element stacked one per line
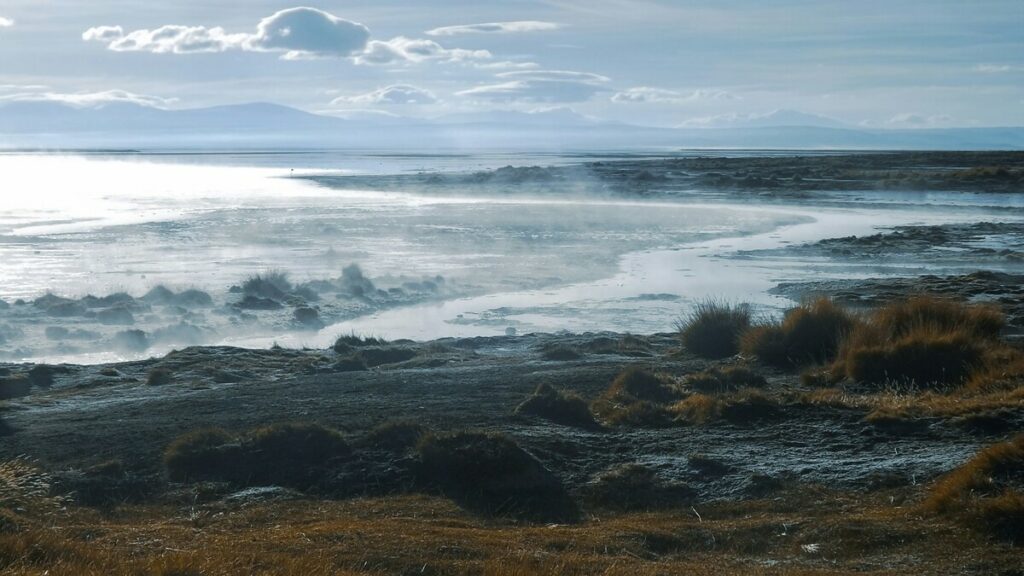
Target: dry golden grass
<point>926,342</point>
<point>989,473</point>
<point>807,532</point>
<point>808,334</point>
<point>986,492</point>
<point>636,397</point>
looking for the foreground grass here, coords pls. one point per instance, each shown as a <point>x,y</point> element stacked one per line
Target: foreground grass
<point>804,532</point>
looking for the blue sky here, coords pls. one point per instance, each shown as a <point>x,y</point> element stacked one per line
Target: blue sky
<point>910,63</point>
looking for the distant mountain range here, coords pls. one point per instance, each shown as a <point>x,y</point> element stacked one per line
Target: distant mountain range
<point>50,125</point>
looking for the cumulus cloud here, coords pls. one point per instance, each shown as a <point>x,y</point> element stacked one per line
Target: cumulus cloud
<point>90,99</point>
<point>297,32</point>
<point>550,86</point>
<point>403,50</point>
<point>647,94</point>
<point>396,94</point>
<point>494,28</point>
<point>300,31</point>
<point>6,22</point>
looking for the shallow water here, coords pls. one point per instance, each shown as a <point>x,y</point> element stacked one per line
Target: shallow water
<point>98,224</point>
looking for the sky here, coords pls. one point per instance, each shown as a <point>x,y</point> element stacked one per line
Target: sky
<point>871,63</point>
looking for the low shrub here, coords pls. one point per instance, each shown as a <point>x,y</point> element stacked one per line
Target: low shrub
<point>291,454</point>
<point>639,384</point>
<point>726,379</point>
<point>636,397</point>
<point>489,473</point>
<point>203,454</point>
<point>559,353</point>
<point>808,334</point>
<point>926,342</point>
<point>697,409</point>
<point>922,359</point>
<point>941,315</point>
<point>558,406</point>
<point>159,377</point>
<point>395,436</point>
<point>294,455</point>
<point>634,487</point>
<point>749,405</point>
<point>714,328</point>
<point>742,407</point>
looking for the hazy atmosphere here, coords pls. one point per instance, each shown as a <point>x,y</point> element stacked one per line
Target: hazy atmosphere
<point>912,64</point>
<point>553,287</point>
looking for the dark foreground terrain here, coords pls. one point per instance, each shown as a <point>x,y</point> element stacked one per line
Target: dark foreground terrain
<point>876,428</point>
<point>580,454</point>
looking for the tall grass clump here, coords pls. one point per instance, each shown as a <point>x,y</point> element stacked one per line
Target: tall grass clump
<point>713,328</point>
<point>924,342</point>
<point>808,334</point>
<point>274,285</point>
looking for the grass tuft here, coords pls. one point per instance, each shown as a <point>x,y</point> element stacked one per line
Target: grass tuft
<point>729,379</point>
<point>713,329</point>
<point>636,398</point>
<point>295,455</point>
<point>808,334</point>
<point>159,377</point>
<point>559,407</point>
<point>986,492</point>
<point>490,474</point>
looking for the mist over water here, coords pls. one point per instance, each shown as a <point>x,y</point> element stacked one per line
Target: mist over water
<point>559,261</point>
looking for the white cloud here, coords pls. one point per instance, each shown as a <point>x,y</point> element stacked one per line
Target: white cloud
<point>494,28</point>
<point>90,99</point>
<point>647,94</point>
<point>550,86</point>
<point>762,120</point>
<point>103,34</point>
<point>396,94</point>
<point>506,65</point>
<point>297,32</point>
<point>23,87</point>
<point>302,31</point>
<point>995,68</point>
<point>167,39</point>
<point>912,120</point>
<point>555,75</point>
<point>405,50</point>
<point>6,22</point>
